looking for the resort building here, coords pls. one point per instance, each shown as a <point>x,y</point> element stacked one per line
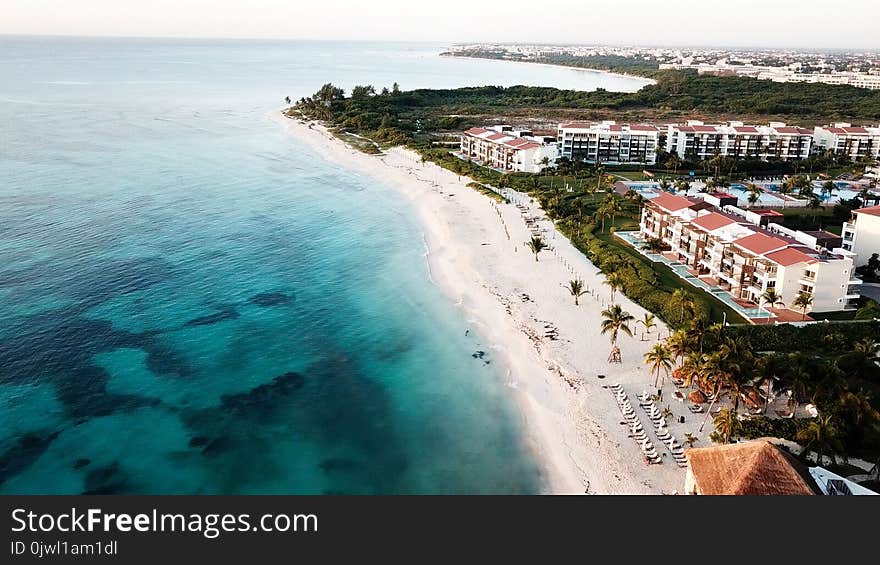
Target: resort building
<point>609,142</point>
<point>832,484</point>
<point>695,140</point>
<point>749,468</point>
<point>505,149</point>
<point>727,249</point>
<point>861,235</point>
<point>845,139</point>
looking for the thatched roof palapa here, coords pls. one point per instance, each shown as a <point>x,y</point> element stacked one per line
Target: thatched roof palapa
<point>750,468</point>
<point>697,397</point>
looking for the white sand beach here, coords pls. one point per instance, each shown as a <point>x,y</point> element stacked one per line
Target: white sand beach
<point>477,254</point>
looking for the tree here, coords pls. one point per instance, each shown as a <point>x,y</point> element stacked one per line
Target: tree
<point>360,92</point>
<point>395,88</point>
<point>328,93</point>
<point>727,425</point>
<point>648,322</point>
<point>821,436</point>
<point>754,193</point>
<point>690,439</point>
<point>681,301</point>
<point>612,206</point>
<point>867,347</point>
<point>536,244</point>
<point>803,301</point>
<point>615,281</point>
<point>659,358</point>
<point>771,297</point>
<point>654,245</point>
<point>679,344</point>
<point>616,320</point>
<point>576,288</point>
<point>287,99</point>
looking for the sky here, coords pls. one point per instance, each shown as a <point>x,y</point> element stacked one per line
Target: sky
<point>840,24</point>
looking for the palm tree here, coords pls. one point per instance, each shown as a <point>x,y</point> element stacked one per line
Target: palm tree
<point>754,193</point>
<point>820,436</point>
<point>771,297</point>
<point>679,344</point>
<point>615,281</point>
<point>576,288</point>
<point>649,322</point>
<point>612,206</point>
<point>682,302</point>
<point>727,425</point>
<point>654,245</point>
<point>536,244</point>
<point>803,301</point>
<point>616,320</point>
<point>867,347</point>
<point>690,439</point>
<point>659,358</point>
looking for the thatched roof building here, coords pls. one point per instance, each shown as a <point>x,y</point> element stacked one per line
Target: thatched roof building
<point>749,468</point>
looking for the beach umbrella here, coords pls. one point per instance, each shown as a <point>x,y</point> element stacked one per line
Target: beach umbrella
<point>697,397</point>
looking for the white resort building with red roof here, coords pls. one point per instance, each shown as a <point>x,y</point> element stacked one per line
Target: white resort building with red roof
<point>695,140</point>
<point>845,139</point>
<point>861,235</point>
<point>609,142</point>
<point>503,148</point>
<point>722,248</point>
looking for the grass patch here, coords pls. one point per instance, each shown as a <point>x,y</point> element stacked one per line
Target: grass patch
<point>670,281</point>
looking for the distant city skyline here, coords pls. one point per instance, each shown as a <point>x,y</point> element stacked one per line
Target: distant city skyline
<point>783,24</point>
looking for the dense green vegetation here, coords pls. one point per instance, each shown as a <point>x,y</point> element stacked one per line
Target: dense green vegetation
<point>686,91</point>
<point>616,63</point>
<point>831,366</point>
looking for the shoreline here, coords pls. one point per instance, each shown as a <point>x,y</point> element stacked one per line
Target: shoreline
<point>570,422</point>
<point>649,81</point>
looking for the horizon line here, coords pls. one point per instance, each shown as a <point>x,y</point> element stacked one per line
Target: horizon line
<point>447,42</point>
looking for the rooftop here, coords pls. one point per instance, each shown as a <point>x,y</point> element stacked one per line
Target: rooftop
<point>713,221</point>
<point>871,211</point>
<point>759,243</point>
<point>789,256</point>
<point>671,202</point>
<point>750,468</point>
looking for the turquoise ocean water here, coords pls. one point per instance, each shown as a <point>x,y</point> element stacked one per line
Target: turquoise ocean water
<point>193,302</point>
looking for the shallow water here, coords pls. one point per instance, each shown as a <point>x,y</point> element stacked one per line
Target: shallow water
<point>193,302</point>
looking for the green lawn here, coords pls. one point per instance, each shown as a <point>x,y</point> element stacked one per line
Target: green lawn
<point>669,280</point>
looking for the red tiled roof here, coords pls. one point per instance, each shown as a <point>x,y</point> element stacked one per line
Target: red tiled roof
<point>671,202</point>
<point>789,256</point>
<point>722,195</point>
<point>713,221</point>
<point>643,127</point>
<point>871,211</point>
<point>496,136</point>
<point>759,244</point>
<point>855,130</point>
<point>793,130</point>
<point>528,145</point>
<point>839,131</point>
<point>517,142</point>
<point>768,213</point>
<point>575,125</point>
<point>745,129</point>
<point>476,131</point>
<point>705,129</point>
<point>615,127</point>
